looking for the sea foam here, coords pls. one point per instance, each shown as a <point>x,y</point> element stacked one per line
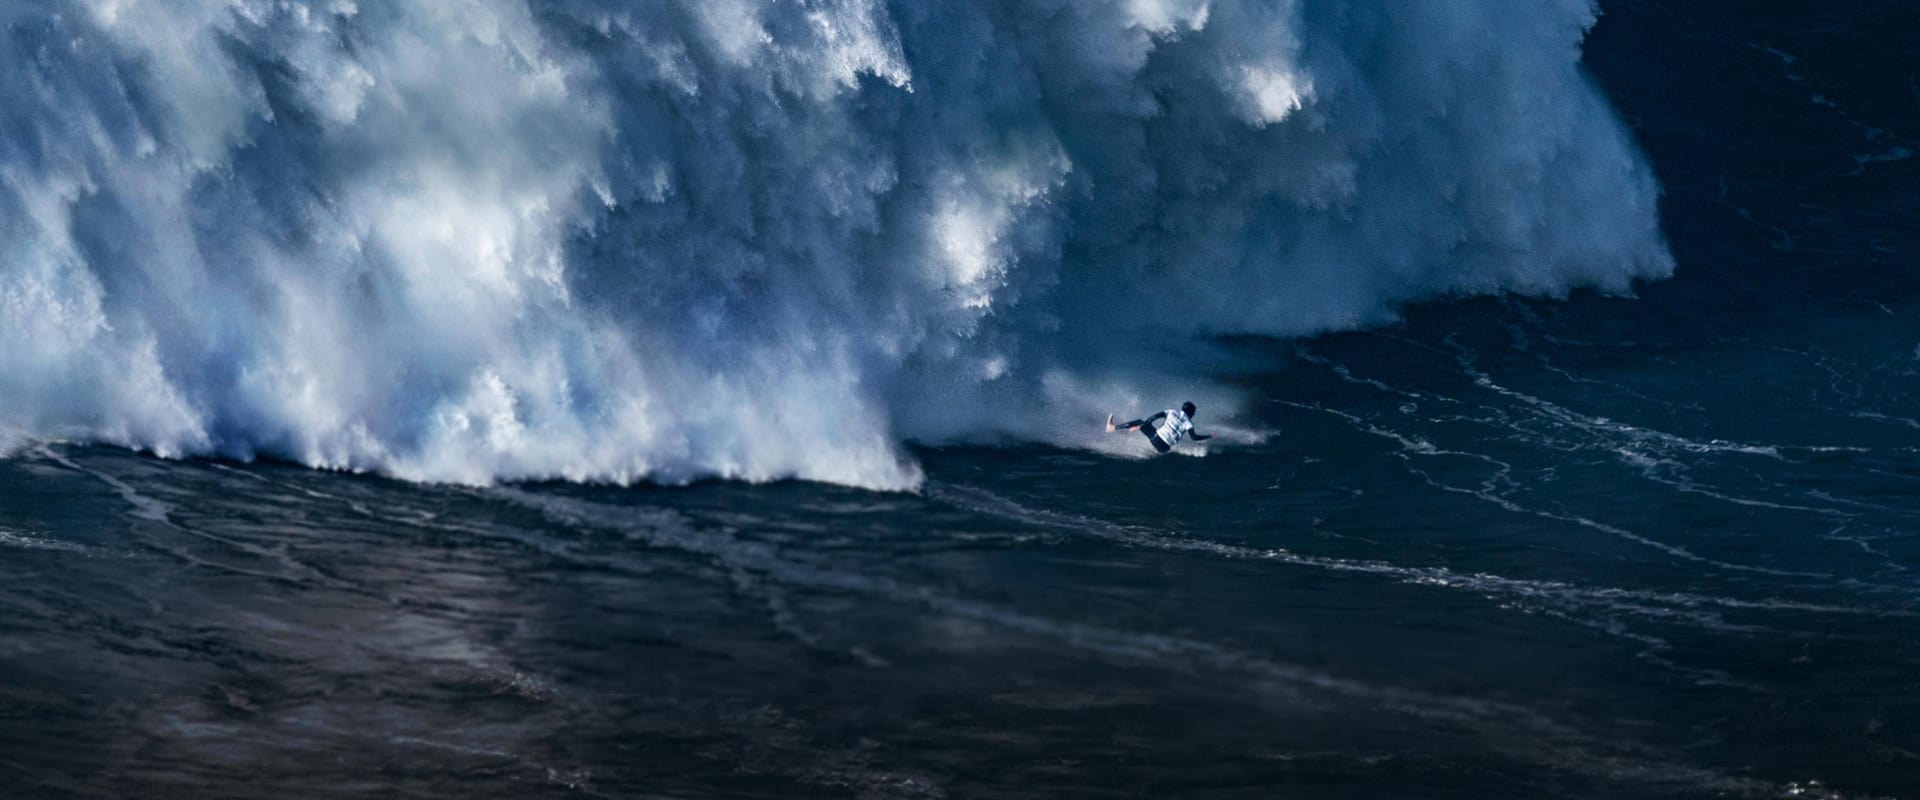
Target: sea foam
<point>597,240</point>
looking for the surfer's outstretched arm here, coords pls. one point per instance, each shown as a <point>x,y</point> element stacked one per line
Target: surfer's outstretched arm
<point>1200,437</point>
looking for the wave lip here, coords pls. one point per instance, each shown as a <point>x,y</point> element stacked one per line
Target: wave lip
<point>496,239</point>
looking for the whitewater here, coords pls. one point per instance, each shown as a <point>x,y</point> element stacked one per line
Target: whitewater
<point>471,241</point>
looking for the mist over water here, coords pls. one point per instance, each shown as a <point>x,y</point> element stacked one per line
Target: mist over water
<point>473,241</point>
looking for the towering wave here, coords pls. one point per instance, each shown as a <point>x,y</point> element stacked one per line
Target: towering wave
<point>592,239</point>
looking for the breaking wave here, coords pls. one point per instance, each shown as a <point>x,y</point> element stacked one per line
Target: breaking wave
<point>600,240</point>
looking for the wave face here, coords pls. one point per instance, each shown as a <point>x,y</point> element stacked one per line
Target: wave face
<point>599,240</point>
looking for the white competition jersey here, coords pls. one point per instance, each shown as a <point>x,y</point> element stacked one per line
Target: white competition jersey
<point>1174,426</point>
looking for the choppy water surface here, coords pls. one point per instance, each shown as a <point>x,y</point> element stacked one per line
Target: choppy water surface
<point>1448,576</point>
<point>1600,547</point>
<point>1482,557</point>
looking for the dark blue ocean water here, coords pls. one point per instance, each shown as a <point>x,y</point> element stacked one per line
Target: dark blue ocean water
<point>1661,546</point>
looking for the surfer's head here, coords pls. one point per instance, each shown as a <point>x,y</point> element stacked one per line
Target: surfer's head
<point>1187,408</point>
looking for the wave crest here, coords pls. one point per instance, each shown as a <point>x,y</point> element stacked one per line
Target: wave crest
<point>579,239</point>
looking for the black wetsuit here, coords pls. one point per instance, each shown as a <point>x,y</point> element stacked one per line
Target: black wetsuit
<point>1150,426</point>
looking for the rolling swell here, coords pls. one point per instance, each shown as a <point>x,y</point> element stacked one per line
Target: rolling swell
<point>497,240</point>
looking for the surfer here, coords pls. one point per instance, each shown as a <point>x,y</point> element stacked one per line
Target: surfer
<point>1164,429</point>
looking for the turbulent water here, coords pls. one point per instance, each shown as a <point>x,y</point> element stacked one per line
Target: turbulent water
<point>467,241</point>
<point>1537,476</point>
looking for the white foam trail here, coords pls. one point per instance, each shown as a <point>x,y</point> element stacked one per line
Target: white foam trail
<point>1889,147</point>
<point>1698,609</point>
<point>1510,728</point>
<point>141,506</point>
<point>27,541</point>
<point>153,510</point>
<point>588,239</point>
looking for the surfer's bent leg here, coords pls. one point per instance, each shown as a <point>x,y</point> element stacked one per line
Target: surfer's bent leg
<point>1158,443</point>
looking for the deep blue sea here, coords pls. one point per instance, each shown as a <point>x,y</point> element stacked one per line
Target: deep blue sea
<point>1660,542</point>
